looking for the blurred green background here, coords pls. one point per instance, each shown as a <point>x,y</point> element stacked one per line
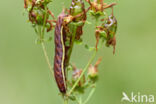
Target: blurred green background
<point>24,74</point>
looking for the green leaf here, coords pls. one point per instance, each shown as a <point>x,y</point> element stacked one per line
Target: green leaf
<point>69,67</point>
<point>78,42</point>
<point>80,23</point>
<point>87,22</point>
<point>33,25</point>
<point>67,43</point>
<point>50,38</point>
<point>89,48</point>
<point>93,79</point>
<point>73,98</point>
<point>36,31</point>
<point>39,19</point>
<point>29,8</point>
<point>80,89</point>
<point>37,41</point>
<point>103,34</point>
<point>97,14</point>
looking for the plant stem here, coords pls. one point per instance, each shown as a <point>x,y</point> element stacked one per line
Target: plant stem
<point>41,34</point>
<point>72,45</point>
<point>89,96</point>
<point>47,58</point>
<point>44,22</point>
<point>80,100</point>
<point>65,101</point>
<point>84,70</point>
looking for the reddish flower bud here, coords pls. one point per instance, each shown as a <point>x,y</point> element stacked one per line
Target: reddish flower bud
<point>93,70</point>
<point>76,75</point>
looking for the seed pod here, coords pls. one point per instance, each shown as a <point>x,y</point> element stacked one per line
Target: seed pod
<point>97,5</point>
<point>111,28</point>
<point>37,16</point>
<point>36,10</point>
<point>78,8</point>
<point>100,33</point>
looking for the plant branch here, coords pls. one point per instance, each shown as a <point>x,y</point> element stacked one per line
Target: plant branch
<point>65,101</point>
<point>44,22</point>
<point>72,44</point>
<point>80,100</point>
<point>84,70</point>
<point>41,34</point>
<point>47,58</point>
<point>90,95</point>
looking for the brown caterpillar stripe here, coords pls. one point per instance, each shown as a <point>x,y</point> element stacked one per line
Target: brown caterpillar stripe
<point>59,71</point>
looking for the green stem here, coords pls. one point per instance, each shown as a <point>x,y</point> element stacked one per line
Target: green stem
<point>65,101</point>
<point>84,70</point>
<point>44,22</point>
<point>72,44</point>
<point>89,96</point>
<point>47,58</point>
<point>80,100</point>
<point>41,34</point>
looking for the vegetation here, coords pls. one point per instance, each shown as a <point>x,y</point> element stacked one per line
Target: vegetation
<point>72,81</point>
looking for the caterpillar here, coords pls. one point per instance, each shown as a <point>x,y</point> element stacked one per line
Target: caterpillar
<point>59,59</point>
<point>62,35</point>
